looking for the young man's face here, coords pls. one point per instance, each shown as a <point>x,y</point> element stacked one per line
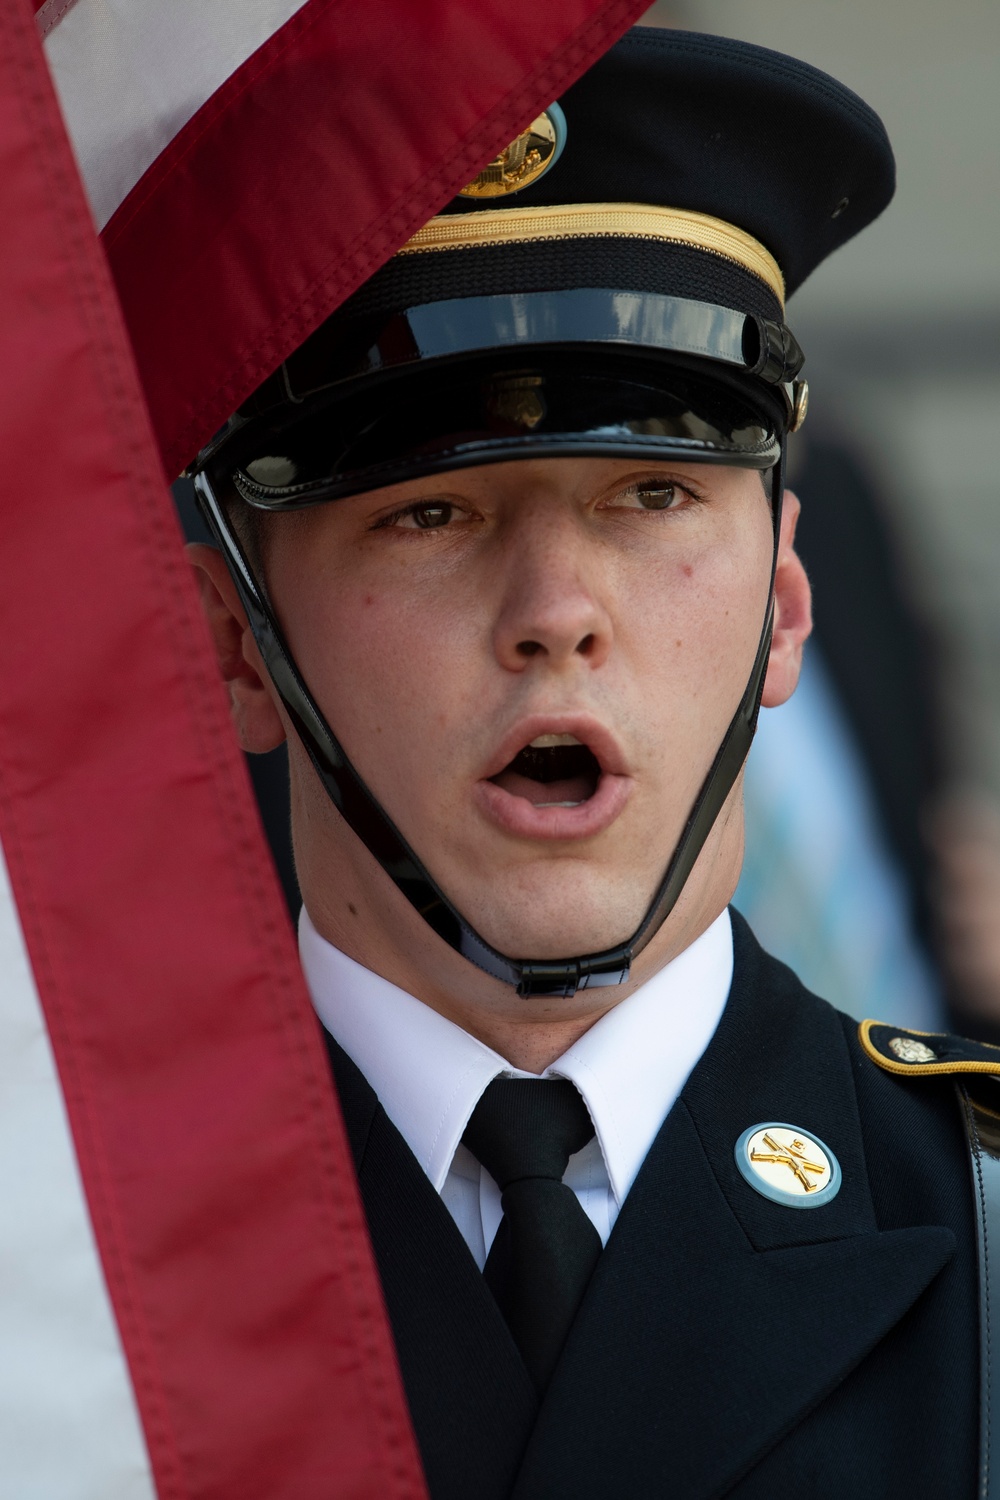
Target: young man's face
<point>604,612</point>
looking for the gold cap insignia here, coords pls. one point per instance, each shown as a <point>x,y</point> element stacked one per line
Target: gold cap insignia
<point>528,157</point>
<point>787,1165</point>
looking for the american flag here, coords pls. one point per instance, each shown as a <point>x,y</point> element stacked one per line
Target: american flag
<point>188,1306</point>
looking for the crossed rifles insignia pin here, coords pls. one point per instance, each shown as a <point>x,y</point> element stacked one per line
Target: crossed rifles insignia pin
<point>785,1164</point>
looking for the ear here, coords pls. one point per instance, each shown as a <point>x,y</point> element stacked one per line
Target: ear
<point>792,612</point>
<point>251,695</point>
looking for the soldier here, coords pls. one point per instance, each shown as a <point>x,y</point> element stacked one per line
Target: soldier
<point>504,555</point>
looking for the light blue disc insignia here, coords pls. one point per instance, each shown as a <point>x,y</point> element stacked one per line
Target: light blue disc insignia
<point>558,119</point>
<point>528,157</point>
<point>788,1165</point>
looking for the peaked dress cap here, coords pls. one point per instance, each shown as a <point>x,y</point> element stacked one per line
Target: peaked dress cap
<point>628,298</point>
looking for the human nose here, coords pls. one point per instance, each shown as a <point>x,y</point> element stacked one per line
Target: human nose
<point>550,606</point>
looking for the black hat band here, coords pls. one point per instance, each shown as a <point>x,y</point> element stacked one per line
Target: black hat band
<point>576,221</point>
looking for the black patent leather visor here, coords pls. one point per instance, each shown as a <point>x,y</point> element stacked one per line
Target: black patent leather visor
<point>478,412</point>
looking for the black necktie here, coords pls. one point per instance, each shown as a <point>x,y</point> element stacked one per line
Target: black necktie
<point>524,1131</point>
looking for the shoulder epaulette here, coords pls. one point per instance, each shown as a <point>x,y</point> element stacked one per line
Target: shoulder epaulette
<point>925,1052</point>
<point>900,1051</point>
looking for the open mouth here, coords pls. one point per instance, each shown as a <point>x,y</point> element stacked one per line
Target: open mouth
<point>554,770</point>
<point>566,780</point>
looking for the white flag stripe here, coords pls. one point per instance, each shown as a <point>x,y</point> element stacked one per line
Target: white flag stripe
<point>131,73</point>
<point>69,1428</point>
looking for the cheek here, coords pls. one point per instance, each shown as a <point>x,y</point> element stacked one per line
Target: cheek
<point>696,622</point>
<point>392,670</point>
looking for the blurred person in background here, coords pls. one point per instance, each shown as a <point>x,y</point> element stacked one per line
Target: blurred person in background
<point>964,833</point>
<point>870,868</point>
<point>838,878</point>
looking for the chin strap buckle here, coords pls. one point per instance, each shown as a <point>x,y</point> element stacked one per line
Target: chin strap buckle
<point>566,976</point>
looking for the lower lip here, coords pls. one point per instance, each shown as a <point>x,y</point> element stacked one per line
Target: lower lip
<point>518,816</point>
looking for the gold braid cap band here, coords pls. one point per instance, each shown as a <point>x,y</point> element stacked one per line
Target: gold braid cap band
<point>577,221</point>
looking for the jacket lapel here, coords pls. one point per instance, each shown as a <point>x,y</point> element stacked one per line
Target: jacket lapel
<point>472,1402</point>
<point>717,1319</point>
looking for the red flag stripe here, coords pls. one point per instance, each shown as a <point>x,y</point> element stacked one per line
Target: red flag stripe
<point>198,1094</point>
<point>284,193</point>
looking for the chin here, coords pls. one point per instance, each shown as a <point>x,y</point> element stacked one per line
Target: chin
<point>556,923</point>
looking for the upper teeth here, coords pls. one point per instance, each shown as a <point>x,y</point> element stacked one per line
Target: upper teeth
<point>549,741</point>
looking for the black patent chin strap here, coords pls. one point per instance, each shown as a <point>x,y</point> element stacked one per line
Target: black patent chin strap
<point>376,830</point>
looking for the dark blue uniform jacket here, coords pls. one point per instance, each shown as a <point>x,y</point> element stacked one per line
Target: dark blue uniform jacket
<point>727,1344</point>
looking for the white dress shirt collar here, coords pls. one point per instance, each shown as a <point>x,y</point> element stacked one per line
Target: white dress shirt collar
<point>429,1074</point>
